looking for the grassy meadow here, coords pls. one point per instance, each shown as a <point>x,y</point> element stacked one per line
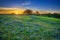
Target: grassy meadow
<point>29,27</point>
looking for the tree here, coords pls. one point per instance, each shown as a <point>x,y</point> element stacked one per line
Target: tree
<point>57,15</point>
<point>49,15</point>
<point>28,12</point>
<point>12,13</point>
<point>37,13</point>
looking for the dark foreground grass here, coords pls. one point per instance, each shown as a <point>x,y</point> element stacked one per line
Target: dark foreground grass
<point>29,27</point>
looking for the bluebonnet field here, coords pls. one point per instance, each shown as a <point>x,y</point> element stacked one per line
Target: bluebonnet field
<point>29,27</point>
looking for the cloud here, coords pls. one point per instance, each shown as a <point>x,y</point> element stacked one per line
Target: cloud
<point>26,3</point>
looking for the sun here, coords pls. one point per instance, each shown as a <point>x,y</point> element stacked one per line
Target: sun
<point>19,11</point>
<point>16,12</point>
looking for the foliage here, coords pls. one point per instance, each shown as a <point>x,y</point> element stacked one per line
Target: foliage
<point>29,27</point>
<point>28,12</point>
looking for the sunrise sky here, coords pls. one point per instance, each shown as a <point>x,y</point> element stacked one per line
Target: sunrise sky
<point>42,5</point>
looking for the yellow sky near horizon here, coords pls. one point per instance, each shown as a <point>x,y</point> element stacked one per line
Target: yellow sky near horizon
<point>11,10</point>
<point>17,11</point>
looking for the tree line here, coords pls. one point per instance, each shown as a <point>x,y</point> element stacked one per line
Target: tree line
<point>30,12</point>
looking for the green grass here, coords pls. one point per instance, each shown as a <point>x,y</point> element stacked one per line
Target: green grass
<point>29,27</point>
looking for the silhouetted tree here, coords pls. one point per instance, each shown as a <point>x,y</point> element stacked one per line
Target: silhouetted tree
<point>12,13</point>
<point>28,12</point>
<point>37,13</point>
<point>57,15</point>
<point>49,14</point>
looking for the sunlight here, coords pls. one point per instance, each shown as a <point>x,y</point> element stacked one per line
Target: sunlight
<point>16,12</point>
<point>11,11</point>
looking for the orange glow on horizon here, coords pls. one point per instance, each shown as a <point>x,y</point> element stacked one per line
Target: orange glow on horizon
<point>19,11</point>
<point>11,10</point>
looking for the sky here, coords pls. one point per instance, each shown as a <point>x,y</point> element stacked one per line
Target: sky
<point>48,5</point>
